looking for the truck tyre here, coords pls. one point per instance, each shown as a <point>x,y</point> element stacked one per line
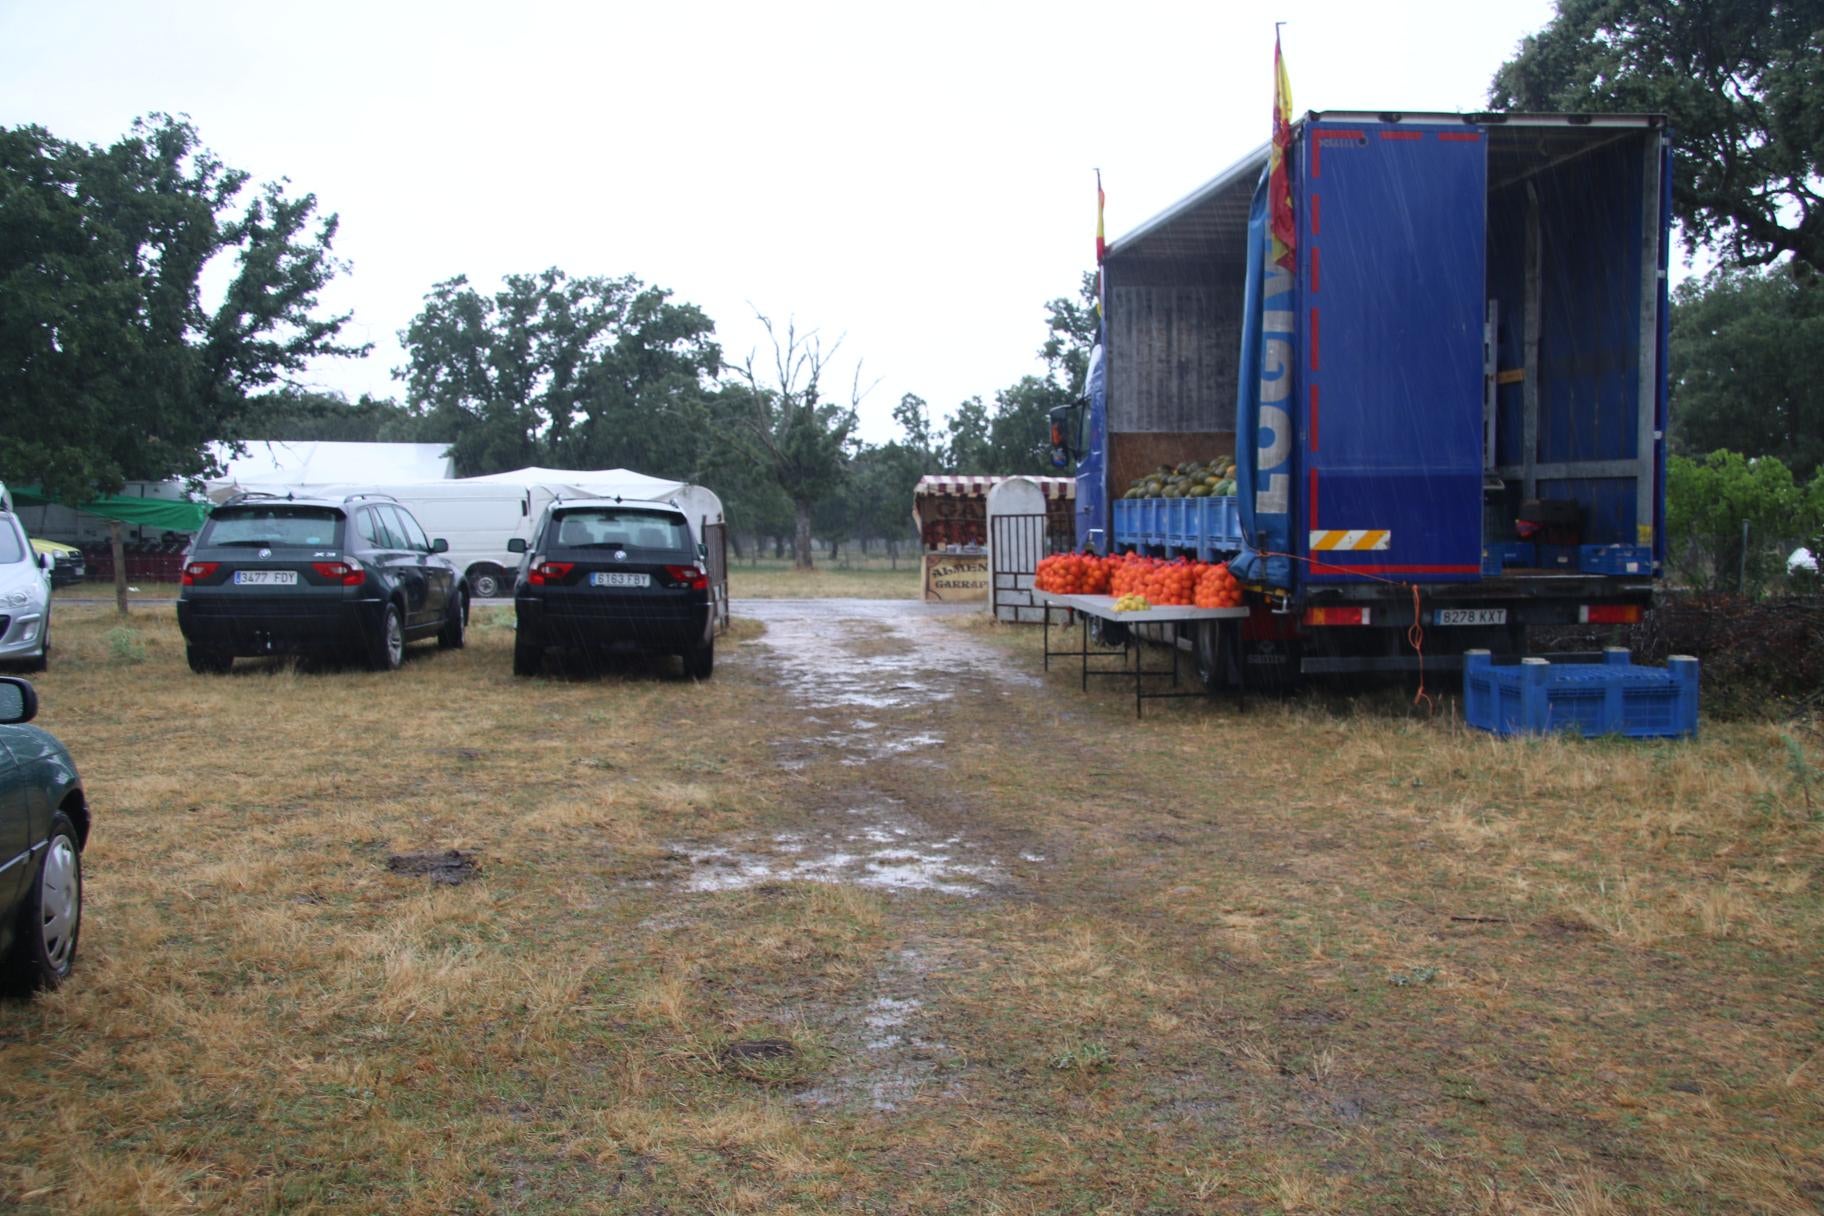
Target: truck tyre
<point>1212,662</point>
<point>487,581</point>
<point>1108,633</point>
<point>1273,665</point>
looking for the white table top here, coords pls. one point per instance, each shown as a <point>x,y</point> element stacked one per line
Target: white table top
<point>1104,606</point>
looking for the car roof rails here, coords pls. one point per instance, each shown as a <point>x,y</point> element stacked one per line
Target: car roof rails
<point>365,495</point>
<point>241,496</point>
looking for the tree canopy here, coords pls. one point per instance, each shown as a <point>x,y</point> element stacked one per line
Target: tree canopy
<point>783,423</point>
<point>1742,83</point>
<point>579,373</point>
<point>1745,356</point>
<point>104,326</point>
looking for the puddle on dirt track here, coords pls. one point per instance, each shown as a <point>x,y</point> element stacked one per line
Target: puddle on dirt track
<point>892,1051</point>
<point>868,686</point>
<point>849,663</point>
<point>884,848</point>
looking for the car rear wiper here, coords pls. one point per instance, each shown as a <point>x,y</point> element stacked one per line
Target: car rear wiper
<point>244,544</point>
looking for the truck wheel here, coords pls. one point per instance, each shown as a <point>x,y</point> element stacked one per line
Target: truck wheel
<point>1273,666</point>
<point>1212,663</point>
<point>1107,633</point>
<point>486,581</point>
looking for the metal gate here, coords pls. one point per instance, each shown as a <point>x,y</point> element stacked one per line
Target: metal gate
<point>715,560</point>
<point>1015,545</point>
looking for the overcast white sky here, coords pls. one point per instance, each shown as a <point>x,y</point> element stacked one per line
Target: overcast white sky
<point>916,180</point>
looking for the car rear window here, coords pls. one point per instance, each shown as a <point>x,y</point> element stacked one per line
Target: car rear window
<point>612,528</point>
<point>282,526</point>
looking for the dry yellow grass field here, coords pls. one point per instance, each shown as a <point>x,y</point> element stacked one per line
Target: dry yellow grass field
<point>872,578</point>
<point>883,918</point>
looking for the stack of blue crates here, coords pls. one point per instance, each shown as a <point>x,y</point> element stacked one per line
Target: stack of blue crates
<point>1613,697</point>
<point>1211,527</point>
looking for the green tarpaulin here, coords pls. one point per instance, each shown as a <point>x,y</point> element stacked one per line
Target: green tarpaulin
<point>163,513</point>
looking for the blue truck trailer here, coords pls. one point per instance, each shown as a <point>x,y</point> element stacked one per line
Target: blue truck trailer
<point>1449,411</point>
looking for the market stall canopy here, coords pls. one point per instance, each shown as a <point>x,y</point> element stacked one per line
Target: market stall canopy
<point>968,486</point>
<point>271,465</point>
<point>166,514</point>
<point>935,523</point>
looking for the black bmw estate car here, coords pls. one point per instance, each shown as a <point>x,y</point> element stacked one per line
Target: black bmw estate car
<point>601,574</point>
<point>272,575</point>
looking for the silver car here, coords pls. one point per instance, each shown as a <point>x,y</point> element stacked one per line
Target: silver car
<point>25,598</point>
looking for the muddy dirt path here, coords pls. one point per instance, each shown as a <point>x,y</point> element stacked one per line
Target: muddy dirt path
<point>871,700</point>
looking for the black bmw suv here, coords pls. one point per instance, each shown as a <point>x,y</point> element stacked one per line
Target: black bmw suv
<point>271,575</point>
<point>602,574</point>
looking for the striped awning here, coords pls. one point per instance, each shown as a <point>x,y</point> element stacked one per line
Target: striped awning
<point>958,485</point>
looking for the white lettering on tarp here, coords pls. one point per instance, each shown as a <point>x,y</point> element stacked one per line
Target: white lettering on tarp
<point>1273,431</point>
<point>1274,495</point>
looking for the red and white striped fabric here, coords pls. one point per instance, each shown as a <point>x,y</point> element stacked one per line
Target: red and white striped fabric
<point>960,485</point>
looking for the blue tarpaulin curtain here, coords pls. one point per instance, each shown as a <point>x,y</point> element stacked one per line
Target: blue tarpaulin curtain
<point>1263,421</point>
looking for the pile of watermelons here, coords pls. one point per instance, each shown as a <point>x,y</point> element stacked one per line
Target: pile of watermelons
<point>1188,479</point>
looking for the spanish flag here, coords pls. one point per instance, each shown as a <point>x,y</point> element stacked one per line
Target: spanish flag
<point>1279,184</point>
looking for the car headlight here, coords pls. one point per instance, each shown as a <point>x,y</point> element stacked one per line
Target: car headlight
<point>18,599</point>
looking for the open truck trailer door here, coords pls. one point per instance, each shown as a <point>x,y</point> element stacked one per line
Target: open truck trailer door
<point>1453,405</point>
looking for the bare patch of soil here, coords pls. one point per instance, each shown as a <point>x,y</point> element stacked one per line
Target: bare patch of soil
<point>451,867</point>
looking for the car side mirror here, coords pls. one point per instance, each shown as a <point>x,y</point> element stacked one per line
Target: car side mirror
<point>702,551</point>
<point>18,700</point>
<point>516,544</point>
<point>440,545</point>
<point>45,561</point>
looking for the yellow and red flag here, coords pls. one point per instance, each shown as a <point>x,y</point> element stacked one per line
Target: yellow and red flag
<point>1279,184</point>
<point>1101,241</point>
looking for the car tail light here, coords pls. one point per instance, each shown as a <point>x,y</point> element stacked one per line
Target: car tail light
<point>688,576</point>
<point>1338,616</point>
<point>195,572</point>
<point>1609,614</point>
<point>348,573</point>
<point>547,574</point>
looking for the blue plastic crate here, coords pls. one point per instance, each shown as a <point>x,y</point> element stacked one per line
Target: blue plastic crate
<point>1613,697</point>
<point>1615,559</point>
<point>1559,557</point>
<point>1127,523</point>
<point>1498,555</point>
<point>1209,526</point>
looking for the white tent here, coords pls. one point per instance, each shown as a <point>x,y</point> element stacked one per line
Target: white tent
<point>701,505</point>
<point>291,464</point>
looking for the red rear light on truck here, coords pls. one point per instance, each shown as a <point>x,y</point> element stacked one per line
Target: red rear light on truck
<point>195,572</point>
<point>349,573</point>
<point>1339,616</point>
<point>549,574</point>
<point>1609,614</point>
<point>688,576</point>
